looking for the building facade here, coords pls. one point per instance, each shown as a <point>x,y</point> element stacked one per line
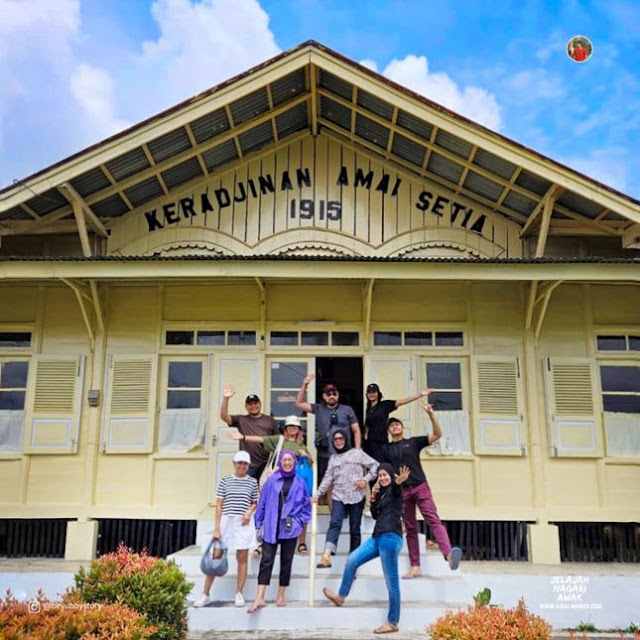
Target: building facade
<point>311,216</point>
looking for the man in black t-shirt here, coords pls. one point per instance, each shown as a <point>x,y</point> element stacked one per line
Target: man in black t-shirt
<point>376,418</point>
<point>401,452</point>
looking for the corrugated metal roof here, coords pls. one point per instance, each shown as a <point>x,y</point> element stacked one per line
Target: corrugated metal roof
<point>493,163</point>
<point>90,182</point>
<point>483,187</point>
<point>220,155</point>
<point>112,207</point>
<point>256,138</point>
<point>47,202</point>
<point>143,192</point>
<point>578,203</point>
<point>408,149</point>
<point>295,119</point>
<point>297,258</point>
<point>336,85</point>
<point>15,213</point>
<point>128,164</point>
<point>375,105</point>
<point>250,106</point>
<point>444,168</point>
<point>415,125</point>
<point>336,113</point>
<point>169,145</point>
<point>532,182</point>
<point>289,87</point>
<point>182,172</point>
<point>452,143</point>
<point>209,126</point>
<point>372,131</point>
<point>520,204</point>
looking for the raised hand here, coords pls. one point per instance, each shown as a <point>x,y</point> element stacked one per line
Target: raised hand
<point>425,392</point>
<point>403,474</point>
<point>308,378</point>
<point>228,391</point>
<point>375,490</point>
<point>428,408</point>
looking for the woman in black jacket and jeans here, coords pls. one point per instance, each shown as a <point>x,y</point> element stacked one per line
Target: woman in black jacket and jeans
<point>386,542</point>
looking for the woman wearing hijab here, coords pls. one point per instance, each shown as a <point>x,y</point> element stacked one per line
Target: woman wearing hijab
<point>376,417</point>
<point>283,510</point>
<point>348,471</point>
<point>386,542</point>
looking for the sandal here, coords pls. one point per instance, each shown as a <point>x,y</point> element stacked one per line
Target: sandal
<point>324,562</point>
<point>387,627</point>
<point>302,549</point>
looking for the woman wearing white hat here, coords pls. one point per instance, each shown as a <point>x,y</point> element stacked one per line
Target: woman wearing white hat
<point>237,499</point>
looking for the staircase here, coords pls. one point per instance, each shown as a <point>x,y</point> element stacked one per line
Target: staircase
<point>423,599</point>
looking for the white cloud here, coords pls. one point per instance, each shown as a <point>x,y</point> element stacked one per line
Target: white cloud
<point>369,64</point>
<point>203,43</point>
<point>609,165</point>
<point>533,85</point>
<point>93,90</point>
<point>475,103</point>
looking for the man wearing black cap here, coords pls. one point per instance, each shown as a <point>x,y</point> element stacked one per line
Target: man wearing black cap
<point>330,416</point>
<point>376,417</point>
<point>254,423</point>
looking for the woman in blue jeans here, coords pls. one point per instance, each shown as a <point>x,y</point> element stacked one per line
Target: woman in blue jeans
<point>348,471</point>
<point>386,542</point>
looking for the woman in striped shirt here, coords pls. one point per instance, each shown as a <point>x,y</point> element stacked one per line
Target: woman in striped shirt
<point>237,498</point>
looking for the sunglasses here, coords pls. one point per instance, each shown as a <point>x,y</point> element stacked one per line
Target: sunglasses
<point>330,393</point>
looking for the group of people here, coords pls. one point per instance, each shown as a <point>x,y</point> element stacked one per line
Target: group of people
<point>276,513</point>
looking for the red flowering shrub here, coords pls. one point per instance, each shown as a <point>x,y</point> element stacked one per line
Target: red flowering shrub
<point>152,586</point>
<point>41,619</point>
<point>490,623</point>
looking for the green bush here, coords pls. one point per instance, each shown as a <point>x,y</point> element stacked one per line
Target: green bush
<point>151,586</point>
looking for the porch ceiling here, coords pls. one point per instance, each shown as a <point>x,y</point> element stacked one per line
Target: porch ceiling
<point>311,90</point>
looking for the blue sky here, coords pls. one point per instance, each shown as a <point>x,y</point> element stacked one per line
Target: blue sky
<point>73,72</point>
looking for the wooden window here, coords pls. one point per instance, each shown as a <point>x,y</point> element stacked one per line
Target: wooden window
<point>620,342</point>
<point>129,423</point>
<point>15,339</point>
<point>438,339</point>
<point>13,384</point>
<point>571,405</point>
<point>54,404</point>
<point>620,385</point>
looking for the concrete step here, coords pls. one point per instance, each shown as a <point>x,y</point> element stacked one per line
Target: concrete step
<point>324,615</point>
<point>453,589</point>
<point>432,561</point>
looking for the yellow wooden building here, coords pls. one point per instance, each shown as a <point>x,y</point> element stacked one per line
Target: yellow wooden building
<point>310,215</point>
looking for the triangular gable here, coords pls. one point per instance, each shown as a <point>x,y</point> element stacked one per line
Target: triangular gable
<point>312,89</point>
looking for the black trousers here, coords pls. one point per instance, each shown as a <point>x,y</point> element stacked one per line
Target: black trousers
<point>287,551</point>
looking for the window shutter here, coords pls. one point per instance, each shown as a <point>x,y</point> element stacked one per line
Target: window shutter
<point>54,404</point>
<point>131,404</point>
<point>571,404</point>
<point>497,393</point>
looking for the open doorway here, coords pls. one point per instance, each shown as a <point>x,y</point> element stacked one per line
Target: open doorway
<point>346,374</point>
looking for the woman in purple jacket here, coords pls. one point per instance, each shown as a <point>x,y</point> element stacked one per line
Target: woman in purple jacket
<point>283,509</point>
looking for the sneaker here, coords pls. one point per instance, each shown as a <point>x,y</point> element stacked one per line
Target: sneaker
<point>454,558</point>
<point>239,600</point>
<point>202,601</point>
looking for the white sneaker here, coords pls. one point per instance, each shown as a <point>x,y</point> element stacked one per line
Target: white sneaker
<point>239,600</point>
<point>202,601</point>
